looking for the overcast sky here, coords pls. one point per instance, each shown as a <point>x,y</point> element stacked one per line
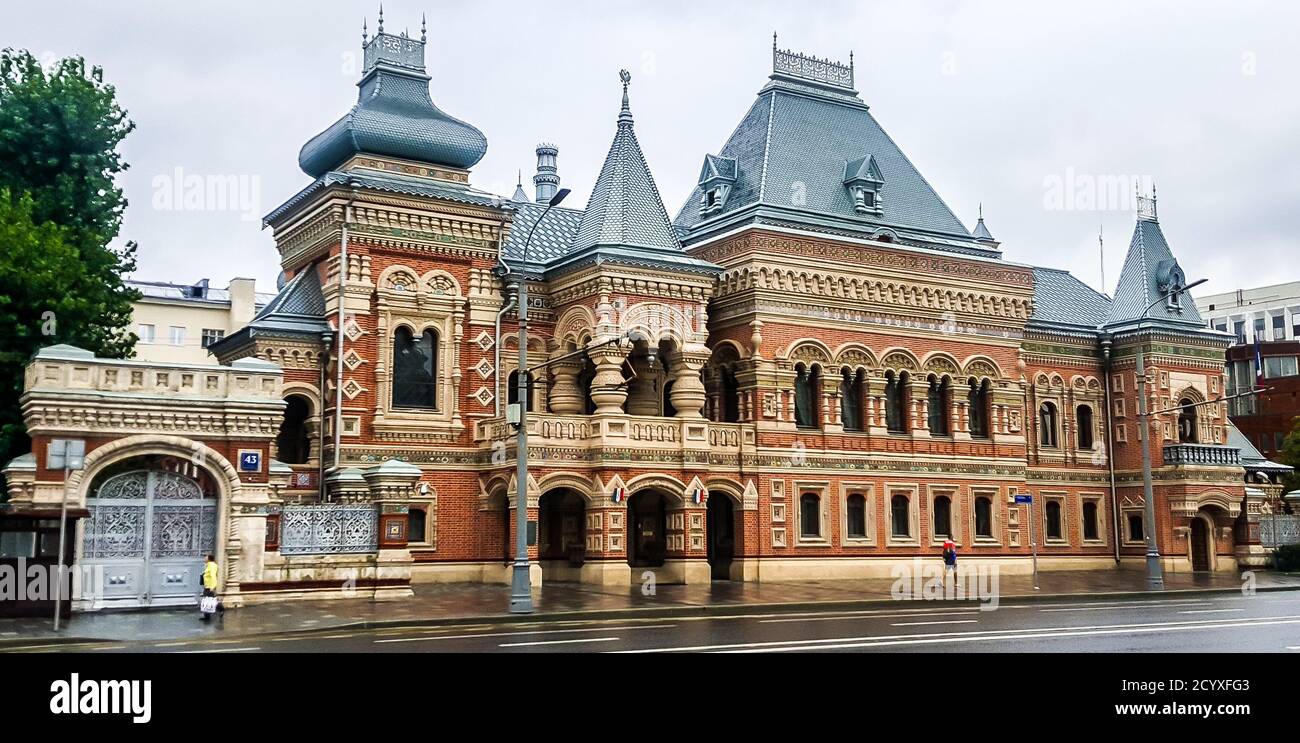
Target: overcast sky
<point>995,102</point>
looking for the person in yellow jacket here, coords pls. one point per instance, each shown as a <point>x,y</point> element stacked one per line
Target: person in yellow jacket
<point>210,577</point>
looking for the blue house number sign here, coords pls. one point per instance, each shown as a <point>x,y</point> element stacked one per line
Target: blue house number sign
<point>250,461</point>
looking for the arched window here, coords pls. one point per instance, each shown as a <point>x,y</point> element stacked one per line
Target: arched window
<point>807,392</point>
<point>1187,432</point>
<point>937,405</point>
<point>1083,418</point>
<point>856,516</point>
<point>984,518</point>
<point>942,516</point>
<point>1047,425</point>
<point>415,369</point>
<point>1135,531</point>
<point>512,391</point>
<point>978,408</point>
<point>851,400</point>
<point>293,445</point>
<point>900,516</point>
<point>1090,525</point>
<point>896,402</point>
<point>1053,519</point>
<point>810,515</point>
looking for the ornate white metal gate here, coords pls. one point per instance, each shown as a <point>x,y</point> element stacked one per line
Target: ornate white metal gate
<point>148,532</point>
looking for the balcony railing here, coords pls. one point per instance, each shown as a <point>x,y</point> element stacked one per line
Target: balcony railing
<point>1202,454</point>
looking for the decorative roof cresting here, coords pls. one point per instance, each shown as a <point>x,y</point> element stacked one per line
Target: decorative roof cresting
<point>804,67</point>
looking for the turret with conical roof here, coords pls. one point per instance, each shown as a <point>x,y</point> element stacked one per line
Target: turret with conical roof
<point>1150,272</point>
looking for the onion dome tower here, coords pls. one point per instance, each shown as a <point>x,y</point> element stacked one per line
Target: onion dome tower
<point>394,115</point>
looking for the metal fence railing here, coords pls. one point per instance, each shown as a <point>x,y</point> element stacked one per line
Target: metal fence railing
<point>329,529</point>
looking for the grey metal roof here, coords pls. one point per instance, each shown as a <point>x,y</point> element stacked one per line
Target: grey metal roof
<point>552,237</point>
<point>625,208</point>
<point>791,151</point>
<point>395,116</point>
<point>1251,457</point>
<point>298,310</point>
<point>982,231</point>
<point>1062,299</point>
<point>1147,265</point>
<point>389,182</point>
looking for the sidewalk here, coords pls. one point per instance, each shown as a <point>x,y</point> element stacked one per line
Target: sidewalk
<point>479,604</point>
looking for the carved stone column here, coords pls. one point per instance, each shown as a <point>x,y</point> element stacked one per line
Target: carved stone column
<point>688,389</point>
<point>643,388</point>
<point>918,393</point>
<point>566,396</point>
<point>608,390</point>
<point>876,423</point>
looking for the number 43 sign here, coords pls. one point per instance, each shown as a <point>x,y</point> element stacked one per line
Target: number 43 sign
<point>250,460</point>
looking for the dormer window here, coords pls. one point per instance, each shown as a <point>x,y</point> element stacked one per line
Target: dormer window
<point>716,179</point>
<point>863,180</point>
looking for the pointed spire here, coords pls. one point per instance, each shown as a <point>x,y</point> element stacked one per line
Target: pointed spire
<point>381,18</point>
<point>625,115</point>
<point>364,33</point>
<point>520,196</point>
<point>625,209</point>
<point>424,29</point>
<point>981,232</point>
<point>1150,271</point>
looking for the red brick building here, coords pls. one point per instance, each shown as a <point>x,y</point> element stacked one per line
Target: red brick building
<point>814,370</point>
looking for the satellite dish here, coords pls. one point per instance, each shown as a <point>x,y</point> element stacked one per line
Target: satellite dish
<point>280,281</point>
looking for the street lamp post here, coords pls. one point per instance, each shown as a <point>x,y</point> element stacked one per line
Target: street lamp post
<point>521,585</point>
<point>1155,573</point>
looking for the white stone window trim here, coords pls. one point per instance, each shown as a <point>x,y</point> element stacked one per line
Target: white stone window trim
<point>953,494</point>
<point>1100,500</point>
<point>1043,498</point>
<point>994,494</point>
<point>911,492</point>
<point>821,490</point>
<point>868,492</point>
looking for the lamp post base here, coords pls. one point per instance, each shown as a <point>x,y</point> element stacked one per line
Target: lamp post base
<point>1155,573</point>
<point>521,589</point>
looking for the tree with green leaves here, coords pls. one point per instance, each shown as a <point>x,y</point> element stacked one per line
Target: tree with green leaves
<point>1290,455</point>
<point>61,280</point>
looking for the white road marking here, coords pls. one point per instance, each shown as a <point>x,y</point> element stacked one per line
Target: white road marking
<point>1024,633</point>
<point>523,634</point>
<point>1154,605</point>
<point>966,613</point>
<point>1293,647</point>
<point>949,621</point>
<point>1209,611</point>
<point>221,650</point>
<point>556,642</point>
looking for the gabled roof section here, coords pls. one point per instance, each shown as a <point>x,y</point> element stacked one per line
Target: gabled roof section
<point>625,208</point>
<point>717,168</point>
<point>1150,271</point>
<point>551,239</point>
<point>298,310</point>
<point>1063,301</point>
<point>1251,457</point>
<point>794,149</point>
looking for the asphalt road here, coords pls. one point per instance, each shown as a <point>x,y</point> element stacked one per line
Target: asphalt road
<point>1266,622</point>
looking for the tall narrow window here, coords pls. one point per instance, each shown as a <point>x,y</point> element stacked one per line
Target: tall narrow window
<point>942,516</point>
<point>1047,425</point>
<point>900,517</point>
<point>730,397</point>
<point>415,365</point>
<point>1090,520</point>
<point>937,406</point>
<point>1187,422</point>
<point>856,516</point>
<point>416,519</point>
<point>1053,519</point>
<point>851,400</point>
<point>512,391</point>
<point>896,402</point>
<point>978,411</point>
<point>1135,531</point>
<point>806,394</point>
<point>810,515</point>
<point>1083,419</point>
<point>983,518</point>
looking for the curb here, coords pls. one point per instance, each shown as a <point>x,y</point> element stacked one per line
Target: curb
<point>666,612</point>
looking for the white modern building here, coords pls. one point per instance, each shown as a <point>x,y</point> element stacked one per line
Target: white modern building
<point>177,322</point>
<point>1266,313</point>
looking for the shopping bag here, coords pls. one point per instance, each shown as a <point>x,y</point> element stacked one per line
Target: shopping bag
<point>208,604</point>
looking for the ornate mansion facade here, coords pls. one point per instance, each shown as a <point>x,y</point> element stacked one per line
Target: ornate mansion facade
<point>813,370</point>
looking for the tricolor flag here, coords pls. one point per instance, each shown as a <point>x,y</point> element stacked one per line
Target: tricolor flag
<point>698,496</point>
<point>1259,360</point>
<point>620,495</point>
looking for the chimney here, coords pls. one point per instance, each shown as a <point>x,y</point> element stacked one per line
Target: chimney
<point>547,180</point>
<point>243,302</point>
